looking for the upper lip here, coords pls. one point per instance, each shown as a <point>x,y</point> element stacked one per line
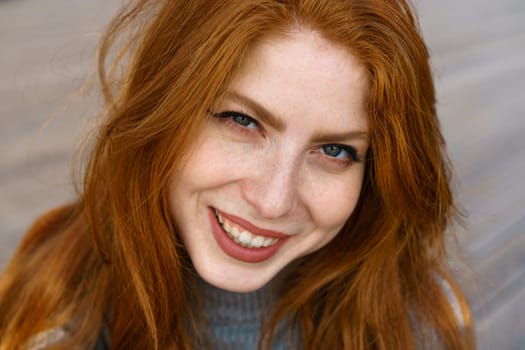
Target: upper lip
<point>251,227</point>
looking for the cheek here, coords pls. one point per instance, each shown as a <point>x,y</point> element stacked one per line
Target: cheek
<point>210,163</point>
<point>332,201</point>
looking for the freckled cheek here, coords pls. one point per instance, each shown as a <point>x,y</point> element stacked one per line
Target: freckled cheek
<point>332,204</point>
<point>214,162</point>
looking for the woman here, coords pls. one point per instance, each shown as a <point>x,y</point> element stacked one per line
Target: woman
<point>267,174</point>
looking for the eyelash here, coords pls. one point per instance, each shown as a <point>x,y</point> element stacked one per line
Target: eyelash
<point>228,116</point>
<point>352,152</point>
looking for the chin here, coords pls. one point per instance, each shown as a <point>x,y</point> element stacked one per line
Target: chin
<point>238,279</point>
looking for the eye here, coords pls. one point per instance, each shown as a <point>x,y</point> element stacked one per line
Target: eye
<point>244,120</point>
<point>340,152</point>
<point>238,118</point>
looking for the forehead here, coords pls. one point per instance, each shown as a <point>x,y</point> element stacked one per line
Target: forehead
<point>308,51</point>
<point>302,72</point>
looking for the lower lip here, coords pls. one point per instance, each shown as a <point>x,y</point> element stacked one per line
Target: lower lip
<point>251,255</point>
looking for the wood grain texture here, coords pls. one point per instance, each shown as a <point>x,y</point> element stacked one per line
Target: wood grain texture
<point>478,56</point>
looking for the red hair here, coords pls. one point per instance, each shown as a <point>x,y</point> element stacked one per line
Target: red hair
<point>114,256</point>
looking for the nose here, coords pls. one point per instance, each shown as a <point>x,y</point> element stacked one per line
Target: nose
<point>272,191</point>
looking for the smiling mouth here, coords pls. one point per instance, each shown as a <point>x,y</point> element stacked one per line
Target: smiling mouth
<point>242,236</point>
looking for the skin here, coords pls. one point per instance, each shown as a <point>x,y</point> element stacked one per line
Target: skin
<point>279,172</point>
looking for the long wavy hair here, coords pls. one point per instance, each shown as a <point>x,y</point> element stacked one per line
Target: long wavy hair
<point>114,256</point>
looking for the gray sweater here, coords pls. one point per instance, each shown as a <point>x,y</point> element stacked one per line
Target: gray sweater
<point>234,319</point>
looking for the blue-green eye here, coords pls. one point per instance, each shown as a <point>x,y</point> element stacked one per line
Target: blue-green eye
<point>243,120</point>
<point>238,118</point>
<point>340,152</point>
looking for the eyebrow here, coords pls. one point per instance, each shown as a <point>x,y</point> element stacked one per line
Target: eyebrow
<point>340,137</point>
<point>278,124</point>
<point>266,116</point>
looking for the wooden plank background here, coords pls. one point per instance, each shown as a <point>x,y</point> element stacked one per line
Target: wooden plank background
<point>478,50</point>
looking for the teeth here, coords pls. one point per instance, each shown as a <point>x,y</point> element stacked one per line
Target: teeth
<point>257,242</point>
<point>243,237</point>
<point>235,233</point>
<point>267,242</point>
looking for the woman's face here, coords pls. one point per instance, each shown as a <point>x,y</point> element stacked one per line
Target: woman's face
<point>278,169</point>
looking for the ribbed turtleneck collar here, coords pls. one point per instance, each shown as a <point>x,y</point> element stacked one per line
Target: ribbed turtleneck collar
<point>225,307</point>
<point>234,319</point>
